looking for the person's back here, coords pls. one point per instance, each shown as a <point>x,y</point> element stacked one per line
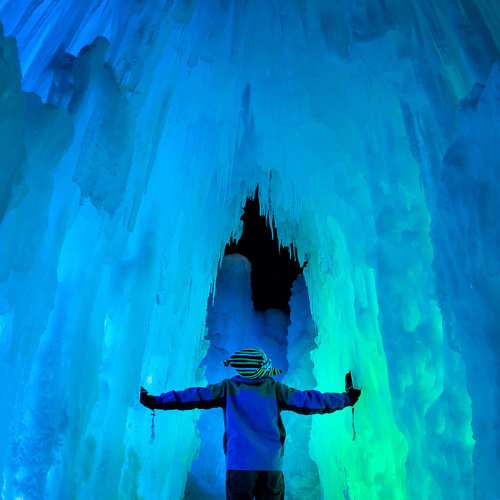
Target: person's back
<point>254,433</point>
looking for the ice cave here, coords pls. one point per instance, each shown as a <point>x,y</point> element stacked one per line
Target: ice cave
<point>132,134</point>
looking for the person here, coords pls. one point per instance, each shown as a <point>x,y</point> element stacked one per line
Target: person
<point>254,436</point>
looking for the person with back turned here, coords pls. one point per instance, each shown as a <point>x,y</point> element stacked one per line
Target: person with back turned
<point>254,433</point>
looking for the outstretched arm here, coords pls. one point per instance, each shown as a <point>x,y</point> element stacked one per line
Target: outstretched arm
<point>310,402</point>
<point>212,396</point>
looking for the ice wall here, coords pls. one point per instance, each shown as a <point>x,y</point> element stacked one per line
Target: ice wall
<point>131,134</point>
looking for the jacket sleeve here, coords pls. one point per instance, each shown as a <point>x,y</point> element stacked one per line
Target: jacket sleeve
<point>309,402</point>
<point>211,396</point>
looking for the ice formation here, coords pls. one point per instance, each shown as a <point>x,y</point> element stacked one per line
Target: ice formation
<point>131,134</point>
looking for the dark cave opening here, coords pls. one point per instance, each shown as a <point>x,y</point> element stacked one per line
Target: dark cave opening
<point>274,269</point>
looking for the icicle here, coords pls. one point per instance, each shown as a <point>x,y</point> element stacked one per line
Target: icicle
<point>152,428</point>
<point>353,429</point>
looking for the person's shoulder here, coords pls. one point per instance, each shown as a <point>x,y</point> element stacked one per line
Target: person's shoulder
<point>223,382</point>
<point>270,383</point>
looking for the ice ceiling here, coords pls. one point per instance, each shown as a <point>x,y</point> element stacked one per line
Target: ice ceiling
<point>131,134</point>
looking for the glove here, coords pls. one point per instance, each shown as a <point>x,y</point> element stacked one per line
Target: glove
<point>147,400</point>
<point>353,395</point>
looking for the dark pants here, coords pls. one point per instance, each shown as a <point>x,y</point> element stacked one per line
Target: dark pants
<point>258,484</point>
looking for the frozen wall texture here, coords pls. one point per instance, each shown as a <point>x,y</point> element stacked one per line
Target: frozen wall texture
<point>131,133</point>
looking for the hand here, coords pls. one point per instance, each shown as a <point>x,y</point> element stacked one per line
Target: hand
<point>353,395</point>
<point>348,381</point>
<point>147,400</point>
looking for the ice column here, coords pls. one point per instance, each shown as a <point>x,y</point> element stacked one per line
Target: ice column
<point>301,472</point>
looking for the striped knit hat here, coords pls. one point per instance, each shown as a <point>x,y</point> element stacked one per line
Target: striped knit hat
<point>252,363</point>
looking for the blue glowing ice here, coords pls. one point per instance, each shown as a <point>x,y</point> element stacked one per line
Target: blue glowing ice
<point>131,134</point>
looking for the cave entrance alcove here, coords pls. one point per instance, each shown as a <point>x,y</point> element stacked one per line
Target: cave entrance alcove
<point>260,299</point>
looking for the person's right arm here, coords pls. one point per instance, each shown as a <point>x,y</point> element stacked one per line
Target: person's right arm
<point>309,402</point>
<point>211,396</point>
